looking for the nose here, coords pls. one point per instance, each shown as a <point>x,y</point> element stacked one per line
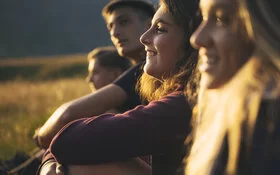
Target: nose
<point>201,36</point>
<point>145,38</point>
<point>115,31</point>
<point>89,78</point>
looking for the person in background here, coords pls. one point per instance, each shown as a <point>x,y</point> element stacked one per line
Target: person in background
<point>243,121</point>
<point>126,21</point>
<point>162,125</point>
<point>105,65</point>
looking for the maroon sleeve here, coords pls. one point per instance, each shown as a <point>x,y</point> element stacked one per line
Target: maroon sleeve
<point>150,129</point>
<point>47,155</point>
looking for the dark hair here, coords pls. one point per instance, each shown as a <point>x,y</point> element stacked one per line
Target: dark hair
<point>145,7</point>
<point>108,57</point>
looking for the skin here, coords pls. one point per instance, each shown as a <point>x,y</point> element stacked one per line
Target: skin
<point>162,54</point>
<point>223,47</point>
<point>107,97</point>
<point>219,43</point>
<point>167,54</point>
<point>103,99</point>
<point>125,28</point>
<point>100,76</point>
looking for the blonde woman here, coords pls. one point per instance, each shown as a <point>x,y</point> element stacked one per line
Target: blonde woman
<point>238,123</point>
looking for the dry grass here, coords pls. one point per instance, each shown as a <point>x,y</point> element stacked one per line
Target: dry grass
<point>24,106</point>
<point>45,60</point>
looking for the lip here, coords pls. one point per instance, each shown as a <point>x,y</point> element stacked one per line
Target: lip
<point>150,52</point>
<point>208,63</point>
<point>122,42</point>
<point>209,59</point>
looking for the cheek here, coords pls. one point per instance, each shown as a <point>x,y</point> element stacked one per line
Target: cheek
<point>171,53</point>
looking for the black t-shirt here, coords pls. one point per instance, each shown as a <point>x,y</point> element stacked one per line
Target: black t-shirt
<point>127,81</point>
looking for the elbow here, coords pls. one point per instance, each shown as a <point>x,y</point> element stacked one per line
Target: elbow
<point>58,119</point>
<point>63,147</point>
<point>44,141</point>
<point>59,152</point>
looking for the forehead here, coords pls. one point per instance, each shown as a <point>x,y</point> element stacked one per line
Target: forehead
<point>208,5</point>
<point>122,12</point>
<point>91,64</point>
<point>162,15</point>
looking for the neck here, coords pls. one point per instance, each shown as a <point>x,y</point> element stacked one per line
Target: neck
<point>137,56</point>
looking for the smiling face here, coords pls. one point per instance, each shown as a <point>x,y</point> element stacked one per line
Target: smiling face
<point>126,26</point>
<point>163,43</point>
<point>222,42</point>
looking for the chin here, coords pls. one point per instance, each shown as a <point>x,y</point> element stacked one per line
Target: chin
<point>121,52</point>
<point>148,68</point>
<point>208,82</point>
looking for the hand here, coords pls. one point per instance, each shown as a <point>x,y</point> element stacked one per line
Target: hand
<point>35,137</point>
<point>52,168</point>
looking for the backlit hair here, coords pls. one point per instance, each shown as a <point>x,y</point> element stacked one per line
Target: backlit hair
<point>108,57</point>
<point>186,16</point>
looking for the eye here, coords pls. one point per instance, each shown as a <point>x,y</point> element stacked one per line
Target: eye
<point>123,22</point>
<point>109,27</point>
<point>222,21</point>
<point>222,18</point>
<point>160,29</point>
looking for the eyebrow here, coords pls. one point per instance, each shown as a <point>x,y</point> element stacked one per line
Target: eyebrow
<point>162,21</point>
<point>117,19</point>
<point>220,6</point>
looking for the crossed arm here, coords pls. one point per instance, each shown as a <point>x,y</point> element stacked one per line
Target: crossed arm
<point>90,105</point>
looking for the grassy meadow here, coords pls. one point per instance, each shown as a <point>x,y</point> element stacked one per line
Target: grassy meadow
<point>30,90</point>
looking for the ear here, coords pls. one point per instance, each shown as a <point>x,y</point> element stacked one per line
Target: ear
<point>116,72</point>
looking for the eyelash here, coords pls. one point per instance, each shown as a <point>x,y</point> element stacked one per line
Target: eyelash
<point>224,21</point>
<point>221,21</point>
<point>124,21</point>
<point>121,22</point>
<point>160,29</point>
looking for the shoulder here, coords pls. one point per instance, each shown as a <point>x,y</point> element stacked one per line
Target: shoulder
<point>173,101</point>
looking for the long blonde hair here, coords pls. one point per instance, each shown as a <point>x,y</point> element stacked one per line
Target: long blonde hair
<point>231,112</point>
<point>210,119</point>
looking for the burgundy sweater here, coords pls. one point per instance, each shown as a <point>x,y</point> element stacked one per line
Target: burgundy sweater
<point>157,129</point>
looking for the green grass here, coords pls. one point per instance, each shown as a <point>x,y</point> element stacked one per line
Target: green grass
<point>29,98</point>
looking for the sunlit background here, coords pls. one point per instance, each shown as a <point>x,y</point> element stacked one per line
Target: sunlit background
<point>43,48</point>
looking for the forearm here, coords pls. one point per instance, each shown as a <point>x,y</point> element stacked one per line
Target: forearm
<point>52,126</point>
<point>99,140</point>
<point>87,106</point>
<point>133,166</point>
<point>142,131</point>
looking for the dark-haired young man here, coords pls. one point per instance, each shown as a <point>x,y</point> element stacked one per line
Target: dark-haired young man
<point>126,21</point>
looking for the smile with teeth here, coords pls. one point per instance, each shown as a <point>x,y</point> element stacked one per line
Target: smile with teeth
<point>151,53</point>
<point>208,64</point>
<point>208,60</point>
